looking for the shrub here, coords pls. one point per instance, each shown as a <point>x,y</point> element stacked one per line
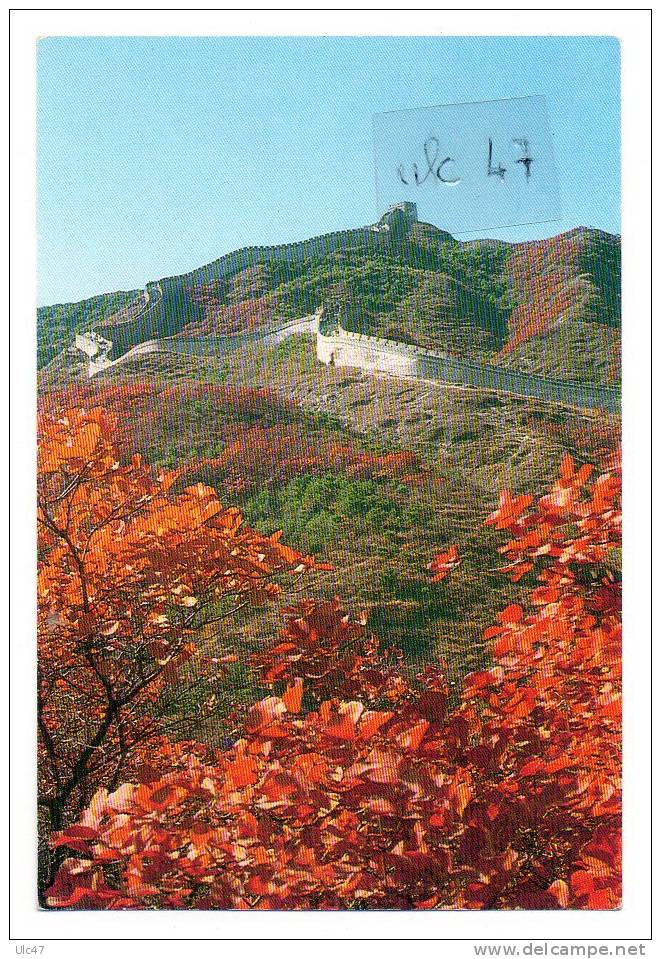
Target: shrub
<point>354,786</point>
<point>129,574</point>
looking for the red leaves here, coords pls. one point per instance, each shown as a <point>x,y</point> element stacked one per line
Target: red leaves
<point>74,442</point>
<point>432,705</point>
<point>443,563</point>
<point>75,837</point>
<point>509,799</point>
<point>79,885</point>
<point>606,599</point>
<point>411,738</point>
<point>598,883</point>
<point>293,696</point>
<point>546,533</point>
<point>340,721</point>
<point>243,771</point>
<point>371,722</point>
<point>254,454</point>
<point>511,614</point>
<point>129,572</point>
<point>263,718</point>
<point>510,509</point>
<point>331,654</point>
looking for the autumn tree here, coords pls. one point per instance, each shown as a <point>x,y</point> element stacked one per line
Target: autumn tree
<point>130,574</point>
<point>349,789</point>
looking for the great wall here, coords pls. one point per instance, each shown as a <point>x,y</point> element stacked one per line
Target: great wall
<point>342,348</point>
<point>335,345</point>
<point>372,354</point>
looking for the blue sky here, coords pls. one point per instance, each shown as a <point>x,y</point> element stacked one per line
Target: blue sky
<point>157,155</point>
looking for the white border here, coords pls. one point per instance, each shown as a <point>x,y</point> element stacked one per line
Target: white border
<point>30,925</point>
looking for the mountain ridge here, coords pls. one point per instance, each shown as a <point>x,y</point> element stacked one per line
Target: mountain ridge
<point>399,278</point>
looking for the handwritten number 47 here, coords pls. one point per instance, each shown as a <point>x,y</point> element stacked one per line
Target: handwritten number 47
<point>436,167</point>
<point>525,159</point>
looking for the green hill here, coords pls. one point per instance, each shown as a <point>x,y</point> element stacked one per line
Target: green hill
<point>550,306</point>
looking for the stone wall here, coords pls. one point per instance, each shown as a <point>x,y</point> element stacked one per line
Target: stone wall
<point>92,344</point>
<point>167,305</point>
<point>370,353</point>
<point>373,354</point>
<point>340,347</point>
<point>99,350</point>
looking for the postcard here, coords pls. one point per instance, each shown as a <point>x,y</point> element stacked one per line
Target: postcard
<point>329,561</point>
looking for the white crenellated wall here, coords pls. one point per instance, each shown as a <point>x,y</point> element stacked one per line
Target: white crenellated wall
<point>92,344</point>
<point>343,348</point>
<point>368,353</point>
<point>373,354</point>
<point>98,349</point>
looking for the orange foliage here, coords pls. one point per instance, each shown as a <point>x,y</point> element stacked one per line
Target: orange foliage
<point>129,572</point>
<point>323,649</point>
<point>544,275</point>
<point>443,563</point>
<point>549,299</point>
<point>259,456</point>
<point>254,455</point>
<point>358,787</point>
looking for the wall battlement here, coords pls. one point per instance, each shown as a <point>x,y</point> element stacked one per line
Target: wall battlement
<point>337,346</point>
<point>345,348</point>
<point>341,347</point>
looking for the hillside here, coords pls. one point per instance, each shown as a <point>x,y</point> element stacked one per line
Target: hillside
<point>373,474</point>
<point>549,306</point>
<point>370,473</point>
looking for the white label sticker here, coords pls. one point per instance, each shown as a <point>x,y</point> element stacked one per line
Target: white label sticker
<point>469,166</point>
